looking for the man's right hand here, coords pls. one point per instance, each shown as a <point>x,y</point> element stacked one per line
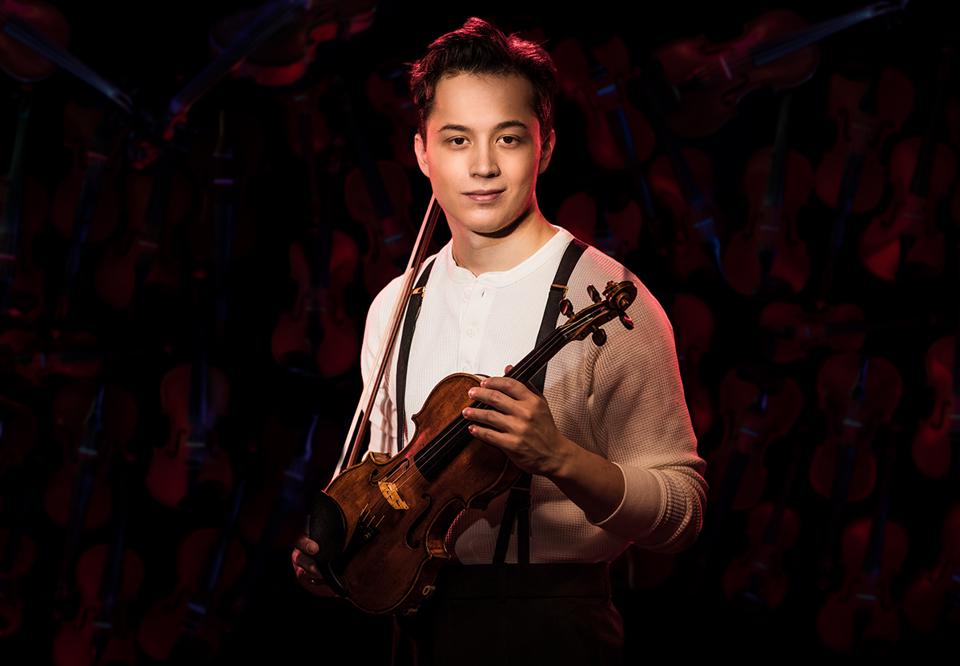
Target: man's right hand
<point>305,567</point>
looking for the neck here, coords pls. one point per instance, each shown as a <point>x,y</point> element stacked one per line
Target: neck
<point>482,254</point>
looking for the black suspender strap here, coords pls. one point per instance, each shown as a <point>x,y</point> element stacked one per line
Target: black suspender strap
<point>409,324</point>
<point>518,502</point>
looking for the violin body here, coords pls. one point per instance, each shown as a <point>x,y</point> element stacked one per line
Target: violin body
<point>714,78</point>
<point>379,580</point>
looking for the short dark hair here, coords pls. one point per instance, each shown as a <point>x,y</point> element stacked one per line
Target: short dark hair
<point>480,48</point>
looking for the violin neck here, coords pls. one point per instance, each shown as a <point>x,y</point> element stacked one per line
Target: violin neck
<point>773,50</point>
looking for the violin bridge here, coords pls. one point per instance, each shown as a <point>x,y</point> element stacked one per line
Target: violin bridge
<point>389,492</point>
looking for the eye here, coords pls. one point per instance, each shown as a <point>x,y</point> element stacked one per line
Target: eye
<point>455,139</point>
<point>513,140</point>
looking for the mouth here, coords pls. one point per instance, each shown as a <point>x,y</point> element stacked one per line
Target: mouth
<point>484,195</point>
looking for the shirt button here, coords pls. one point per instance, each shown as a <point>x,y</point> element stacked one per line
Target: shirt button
<point>471,331</point>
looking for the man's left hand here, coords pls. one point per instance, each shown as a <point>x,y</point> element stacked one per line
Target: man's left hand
<point>519,423</point>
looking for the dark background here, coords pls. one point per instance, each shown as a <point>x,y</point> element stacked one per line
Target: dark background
<point>152,49</point>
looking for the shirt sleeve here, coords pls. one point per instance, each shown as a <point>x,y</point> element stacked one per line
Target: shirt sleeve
<point>640,418</point>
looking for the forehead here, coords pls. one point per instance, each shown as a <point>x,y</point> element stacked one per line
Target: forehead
<point>481,101</point>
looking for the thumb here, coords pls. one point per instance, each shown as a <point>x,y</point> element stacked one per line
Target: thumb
<point>507,369</point>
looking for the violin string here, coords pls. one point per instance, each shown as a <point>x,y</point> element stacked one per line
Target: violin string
<point>450,437</point>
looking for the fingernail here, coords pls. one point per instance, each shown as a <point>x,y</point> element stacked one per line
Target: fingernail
<point>466,411</point>
<point>472,392</point>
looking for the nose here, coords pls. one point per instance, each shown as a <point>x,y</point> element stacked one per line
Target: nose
<point>485,163</point>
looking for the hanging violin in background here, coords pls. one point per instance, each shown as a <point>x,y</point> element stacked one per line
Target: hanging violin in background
<point>768,251</point>
<point>694,326</point>
<point>317,334</point>
<point>863,617</point>
<point>707,81</point>
<point>935,446</point>
<point>930,601</point>
<point>922,170</point>
<point>867,109</point>
<point>23,208</point>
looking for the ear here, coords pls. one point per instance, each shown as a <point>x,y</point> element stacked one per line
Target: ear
<point>421,152</point>
<point>547,151</point>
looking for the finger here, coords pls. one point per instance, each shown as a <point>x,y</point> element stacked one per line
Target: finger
<point>307,545</point>
<point>496,399</point>
<point>509,386</point>
<point>487,416</point>
<point>507,369</point>
<point>303,561</point>
<point>489,436</point>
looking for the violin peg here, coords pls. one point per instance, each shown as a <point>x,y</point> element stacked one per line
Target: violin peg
<point>566,308</point>
<point>599,336</point>
<point>626,321</point>
<point>594,294</point>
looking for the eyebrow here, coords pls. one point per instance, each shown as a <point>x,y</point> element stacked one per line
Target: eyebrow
<point>504,125</point>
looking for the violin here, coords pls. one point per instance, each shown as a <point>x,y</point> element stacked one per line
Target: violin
<point>96,423</point>
<point>33,40</point>
<point>22,214</point>
<point>380,524</point>
<point>194,397</point>
<point>850,177</point>
<point>930,601</point>
<point>85,208</point>
<point>18,553</point>
<point>317,331</point>
<point>862,616</point>
<point>682,180</point>
<point>922,170</point>
<point>612,224</point>
<point>109,576</point>
<point>777,50</point>
<point>595,84</point>
<point>18,434</point>
<point>187,623</point>
<point>694,326</point>
<point>756,412</point>
<point>388,91</point>
<point>858,394</point>
<point>758,579</point>
<point>768,251</point>
<point>284,56</point>
<point>158,203</point>
<point>16,58</point>
<point>935,443</point>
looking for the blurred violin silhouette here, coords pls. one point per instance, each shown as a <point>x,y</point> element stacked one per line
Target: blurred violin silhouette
<point>706,81</point>
<point>94,423</point>
<point>158,202</point>
<point>694,327</point>
<point>863,617</point>
<point>850,177</point>
<point>109,576</point>
<point>759,579</point>
<point>318,334</point>
<point>934,447</point>
<point>22,212</point>
<point>767,251</point>
<point>188,623</point>
<point>930,602</point>
<point>33,40</point>
<point>389,94</point>
<point>922,170</point>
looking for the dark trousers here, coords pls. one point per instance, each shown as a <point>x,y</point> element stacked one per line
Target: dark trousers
<point>514,614</point>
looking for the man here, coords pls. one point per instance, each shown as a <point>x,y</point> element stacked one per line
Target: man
<point>607,439</point>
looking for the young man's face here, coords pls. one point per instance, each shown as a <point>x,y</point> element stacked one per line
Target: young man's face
<point>482,134</point>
